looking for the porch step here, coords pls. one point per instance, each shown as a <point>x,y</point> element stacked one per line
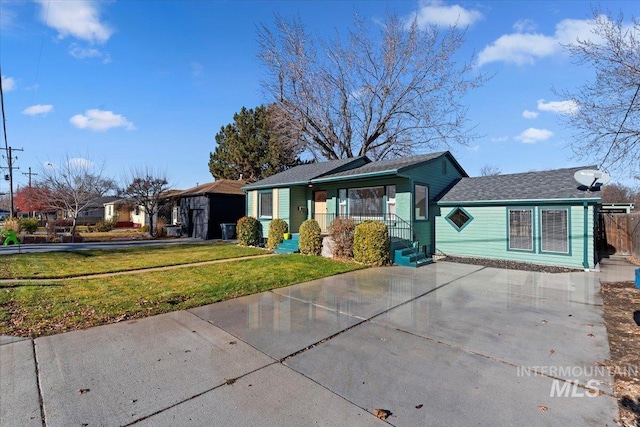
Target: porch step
<point>288,246</point>
<point>411,257</point>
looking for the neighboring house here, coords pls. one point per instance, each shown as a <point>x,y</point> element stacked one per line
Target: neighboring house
<point>125,214</point>
<point>396,191</point>
<point>539,217</point>
<point>205,207</point>
<point>95,211</point>
<point>429,202</point>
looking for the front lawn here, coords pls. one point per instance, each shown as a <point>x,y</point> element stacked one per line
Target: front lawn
<point>37,309</point>
<point>53,265</point>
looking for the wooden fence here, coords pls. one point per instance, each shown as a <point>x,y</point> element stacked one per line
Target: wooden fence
<point>619,234</point>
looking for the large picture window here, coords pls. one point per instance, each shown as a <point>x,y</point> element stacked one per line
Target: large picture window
<point>521,229</point>
<point>554,230</point>
<point>421,195</point>
<point>366,201</point>
<point>265,203</point>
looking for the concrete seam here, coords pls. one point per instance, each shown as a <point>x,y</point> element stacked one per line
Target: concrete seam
<point>39,385</point>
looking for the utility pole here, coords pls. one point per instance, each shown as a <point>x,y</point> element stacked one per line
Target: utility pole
<point>29,174</point>
<point>11,168</point>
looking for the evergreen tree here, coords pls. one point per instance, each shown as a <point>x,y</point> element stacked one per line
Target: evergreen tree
<point>250,148</point>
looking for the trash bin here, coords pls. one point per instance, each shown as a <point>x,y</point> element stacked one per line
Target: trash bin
<point>638,278</point>
<point>228,230</point>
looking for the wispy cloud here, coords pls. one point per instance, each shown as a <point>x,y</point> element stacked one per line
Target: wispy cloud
<point>8,83</point>
<point>80,52</point>
<point>100,121</point>
<point>558,107</point>
<point>80,163</point>
<point>530,114</point>
<point>196,69</point>
<point>500,138</point>
<point>525,46</point>
<point>533,135</point>
<point>473,148</point>
<point>79,19</point>
<point>38,109</point>
<point>438,13</point>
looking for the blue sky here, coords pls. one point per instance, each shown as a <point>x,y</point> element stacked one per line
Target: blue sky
<point>149,83</point>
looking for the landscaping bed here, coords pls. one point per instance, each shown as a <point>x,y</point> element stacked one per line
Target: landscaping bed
<point>512,265</point>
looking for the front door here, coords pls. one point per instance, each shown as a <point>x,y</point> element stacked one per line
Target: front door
<point>320,210</point>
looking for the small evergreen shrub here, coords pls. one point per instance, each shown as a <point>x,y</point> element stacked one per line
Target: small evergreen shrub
<point>277,228</point>
<point>29,225</point>
<point>105,225</point>
<point>248,231</point>
<point>310,238</point>
<point>341,231</point>
<point>371,243</point>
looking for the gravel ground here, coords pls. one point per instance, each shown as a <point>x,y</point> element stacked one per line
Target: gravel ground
<point>512,265</point>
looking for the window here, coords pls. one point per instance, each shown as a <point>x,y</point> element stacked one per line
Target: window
<point>391,200</point>
<point>265,204</point>
<point>459,218</point>
<point>366,201</point>
<point>554,230</point>
<point>521,229</point>
<point>342,202</point>
<point>421,195</point>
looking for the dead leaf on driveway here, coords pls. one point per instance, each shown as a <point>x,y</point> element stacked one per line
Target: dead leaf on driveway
<point>383,414</point>
<point>543,408</point>
<point>552,351</point>
<point>83,390</point>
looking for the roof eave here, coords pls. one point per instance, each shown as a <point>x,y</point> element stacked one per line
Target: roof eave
<point>518,201</point>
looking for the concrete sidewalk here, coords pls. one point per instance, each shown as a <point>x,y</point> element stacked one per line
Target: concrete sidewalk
<point>446,344</point>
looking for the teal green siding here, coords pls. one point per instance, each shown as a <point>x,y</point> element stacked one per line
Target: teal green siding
<point>486,236</point>
<point>284,204</point>
<point>298,198</point>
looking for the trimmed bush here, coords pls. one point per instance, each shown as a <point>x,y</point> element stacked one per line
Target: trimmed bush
<point>371,243</point>
<point>341,231</point>
<point>248,231</point>
<point>310,238</point>
<point>277,228</point>
<point>30,225</point>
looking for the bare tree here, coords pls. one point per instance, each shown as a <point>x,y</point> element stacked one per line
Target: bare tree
<point>490,170</point>
<point>607,119</point>
<point>72,185</point>
<point>385,91</point>
<point>146,187</point>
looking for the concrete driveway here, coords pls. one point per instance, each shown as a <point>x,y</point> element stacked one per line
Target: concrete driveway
<point>446,344</point>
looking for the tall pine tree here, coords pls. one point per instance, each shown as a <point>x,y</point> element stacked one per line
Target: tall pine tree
<point>250,148</point>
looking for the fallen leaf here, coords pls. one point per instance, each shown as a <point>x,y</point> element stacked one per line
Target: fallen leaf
<point>544,322</point>
<point>83,390</point>
<point>543,408</point>
<point>383,414</point>
<point>233,342</point>
<point>419,406</point>
<point>590,335</point>
<point>552,352</point>
<point>230,381</point>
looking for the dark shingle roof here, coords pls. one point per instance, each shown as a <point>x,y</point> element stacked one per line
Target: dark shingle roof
<point>220,186</point>
<point>544,185</point>
<point>382,167</point>
<point>303,174</point>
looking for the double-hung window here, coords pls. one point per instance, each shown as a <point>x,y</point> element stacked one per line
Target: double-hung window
<point>265,204</point>
<point>520,229</point>
<point>421,200</point>
<point>554,230</point>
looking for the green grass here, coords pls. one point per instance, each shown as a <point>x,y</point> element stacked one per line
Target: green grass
<point>54,265</point>
<point>37,309</point>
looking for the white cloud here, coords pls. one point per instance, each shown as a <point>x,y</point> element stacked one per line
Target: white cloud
<point>80,19</point>
<point>34,110</point>
<point>530,114</point>
<point>525,25</point>
<point>474,148</point>
<point>196,69</point>
<point>525,46</point>
<point>80,163</point>
<point>558,107</point>
<point>80,52</point>
<point>100,121</point>
<point>519,49</point>
<point>8,83</point>
<point>435,12</point>
<point>500,138</point>
<point>533,135</point>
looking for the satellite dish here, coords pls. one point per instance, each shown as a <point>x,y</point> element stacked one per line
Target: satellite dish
<point>591,178</point>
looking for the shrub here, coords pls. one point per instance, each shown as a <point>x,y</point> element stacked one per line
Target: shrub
<point>144,229</point>
<point>248,231</point>
<point>105,225</point>
<point>371,243</point>
<point>11,224</point>
<point>30,225</point>
<point>277,228</point>
<point>310,238</point>
<point>341,232</point>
